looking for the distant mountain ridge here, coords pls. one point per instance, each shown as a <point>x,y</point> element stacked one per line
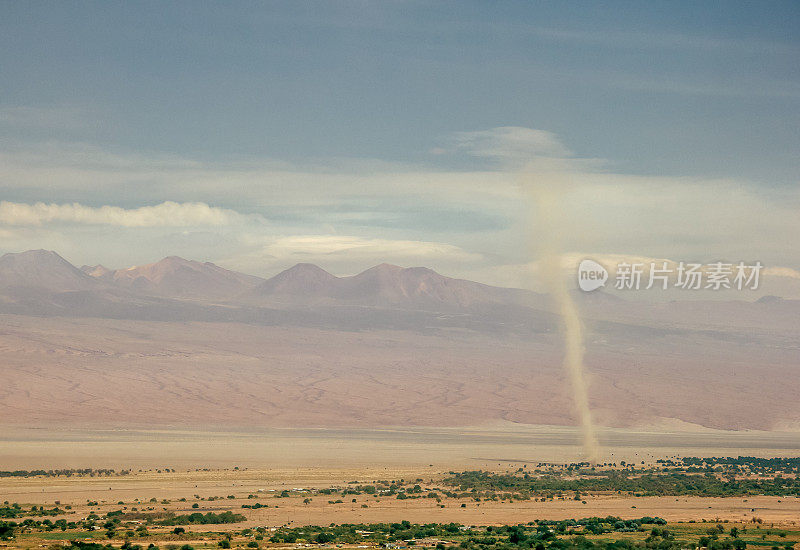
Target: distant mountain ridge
<point>40,282</point>
<point>384,285</point>
<point>42,269</point>
<point>178,278</point>
<point>302,279</point>
<point>303,285</point>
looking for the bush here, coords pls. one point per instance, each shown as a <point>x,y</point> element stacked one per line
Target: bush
<point>6,530</point>
<point>203,519</point>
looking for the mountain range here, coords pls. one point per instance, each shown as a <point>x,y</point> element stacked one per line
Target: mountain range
<point>186,343</point>
<point>41,282</point>
<point>37,278</point>
<point>175,277</point>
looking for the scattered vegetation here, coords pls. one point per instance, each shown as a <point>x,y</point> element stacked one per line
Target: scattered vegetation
<point>90,472</point>
<point>203,519</point>
<point>583,534</point>
<point>711,477</point>
<point>144,524</point>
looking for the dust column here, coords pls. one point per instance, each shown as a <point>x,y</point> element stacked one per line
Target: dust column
<point>547,193</point>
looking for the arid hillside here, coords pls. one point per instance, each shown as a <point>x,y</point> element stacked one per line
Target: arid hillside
<point>119,373</point>
<point>387,347</point>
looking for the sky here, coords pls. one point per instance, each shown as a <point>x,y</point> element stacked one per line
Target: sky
<point>261,134</point>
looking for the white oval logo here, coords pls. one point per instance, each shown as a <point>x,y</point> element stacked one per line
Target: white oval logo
<point>591,275</point>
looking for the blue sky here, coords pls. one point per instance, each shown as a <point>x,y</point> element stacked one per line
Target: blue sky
<point>369,120</point>
<point>660,88</point>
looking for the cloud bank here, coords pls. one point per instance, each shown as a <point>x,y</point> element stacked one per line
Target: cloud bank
<point>262,215</point>
<point>352,247</point>
<point>166,214</point>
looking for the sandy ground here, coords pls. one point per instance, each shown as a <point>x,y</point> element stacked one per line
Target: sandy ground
<point>440,448</point>
<point>267,483</point>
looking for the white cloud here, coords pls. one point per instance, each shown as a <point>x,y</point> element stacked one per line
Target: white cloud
<point>356,247</point>
<point>166,214</point>
<point>510,142</point>
<point>83,170</point>
<point>343,254</point>
<point>517,148</point>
